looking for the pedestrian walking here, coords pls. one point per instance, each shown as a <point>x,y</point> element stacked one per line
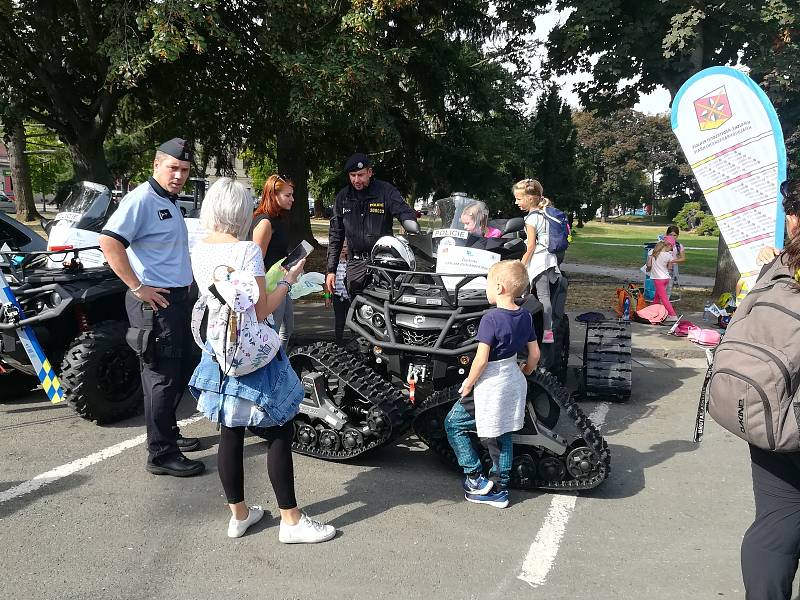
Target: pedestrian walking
<point>497,406</point>
<point>362,213</point>
<point>146,244</point>
<point>269,231</point>
<point>266,399</point>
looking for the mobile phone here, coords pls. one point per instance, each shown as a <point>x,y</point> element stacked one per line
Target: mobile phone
<point>297,254</point>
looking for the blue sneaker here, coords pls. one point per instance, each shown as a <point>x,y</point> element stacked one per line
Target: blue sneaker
<point>478,485</point>
<point>496,499</point>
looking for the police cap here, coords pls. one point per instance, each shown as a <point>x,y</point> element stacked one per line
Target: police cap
<point>177,148</point>
<point>358,161</point>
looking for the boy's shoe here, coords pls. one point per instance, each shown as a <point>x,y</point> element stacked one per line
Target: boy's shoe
<point>496,499</point>
<point>548,337</point>
<point>306,531</point>
<point>478,485</point>
<point>237,528</point>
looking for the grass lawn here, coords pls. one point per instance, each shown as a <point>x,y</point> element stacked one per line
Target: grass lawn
<point>594,245</point>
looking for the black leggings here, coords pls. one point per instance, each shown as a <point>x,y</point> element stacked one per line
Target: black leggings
<point>771,546</point>
<point>340,308</point>
<point>280,468</point>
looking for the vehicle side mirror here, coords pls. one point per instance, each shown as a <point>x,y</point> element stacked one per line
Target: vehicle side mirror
<point>514,225</point>
<point>47,225</point>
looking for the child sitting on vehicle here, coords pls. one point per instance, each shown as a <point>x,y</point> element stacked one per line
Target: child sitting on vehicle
<point>497,406</point>
<point>475,219</point>
<point>339,298</point>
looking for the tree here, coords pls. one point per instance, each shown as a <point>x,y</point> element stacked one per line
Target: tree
<point>632,46</point>
<point>67,65</point>
<point>49,160</point>
<point>16,143</point>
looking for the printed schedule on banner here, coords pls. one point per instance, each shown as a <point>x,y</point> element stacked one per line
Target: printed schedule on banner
<point>730,135</point>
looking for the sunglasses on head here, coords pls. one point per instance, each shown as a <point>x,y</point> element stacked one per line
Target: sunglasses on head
<point>279,177</point>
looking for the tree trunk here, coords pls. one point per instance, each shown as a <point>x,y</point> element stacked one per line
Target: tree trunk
<point>727,273</point>
<point>606,210</point>
<point>89,159</point>
<point>20,173</point>
<point>319,208</point>
<point>292,162</point>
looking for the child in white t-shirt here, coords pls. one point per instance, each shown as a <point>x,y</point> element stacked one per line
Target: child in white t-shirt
<point>659,263</point>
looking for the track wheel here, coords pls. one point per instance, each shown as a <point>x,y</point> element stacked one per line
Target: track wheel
<point>375,420</point>
<point>523,469</point>
<point>329,440</point>
<point>352,438</point>
<point>551,469</point>
<point>581,462</point>
<point>307,435</point>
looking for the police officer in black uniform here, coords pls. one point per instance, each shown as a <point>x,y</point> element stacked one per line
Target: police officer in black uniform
<point>146,244</point>
<point>362,214</point>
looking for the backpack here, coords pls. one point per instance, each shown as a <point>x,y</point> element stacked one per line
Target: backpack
<point>557,230</point>
<point>225,325</point>
<point>751,385</point>
<point>631,291</point>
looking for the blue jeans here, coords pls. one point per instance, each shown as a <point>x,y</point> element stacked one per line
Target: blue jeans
<point>458,424</point>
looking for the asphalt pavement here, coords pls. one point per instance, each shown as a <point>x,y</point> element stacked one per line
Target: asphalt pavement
<point>80,518</point>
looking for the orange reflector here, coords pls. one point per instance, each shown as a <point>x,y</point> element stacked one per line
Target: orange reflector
<point>464,359</point>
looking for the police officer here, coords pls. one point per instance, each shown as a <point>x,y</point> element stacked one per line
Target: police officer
<point>362,213</point>
<point>146,244</point>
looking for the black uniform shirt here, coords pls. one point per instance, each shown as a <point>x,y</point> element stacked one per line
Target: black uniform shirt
<point>363,217</point>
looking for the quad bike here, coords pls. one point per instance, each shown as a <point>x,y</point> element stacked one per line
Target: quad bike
<point>415,340</point>
<point>77,312</point>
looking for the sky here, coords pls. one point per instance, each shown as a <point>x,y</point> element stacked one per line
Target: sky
<point>654,103</point>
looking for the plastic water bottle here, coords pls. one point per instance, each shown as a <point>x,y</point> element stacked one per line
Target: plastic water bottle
<point>626,309</point>
<point>706,310</point>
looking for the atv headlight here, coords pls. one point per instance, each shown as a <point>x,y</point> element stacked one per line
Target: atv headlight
<point>378,321</point>
<point>55,299</point>
<point>366,312</point>
<point>472,329</point>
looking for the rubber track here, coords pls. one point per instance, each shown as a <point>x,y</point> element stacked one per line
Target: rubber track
<point>397,410</point>
<point>607,360</point>
<point>589,433</point>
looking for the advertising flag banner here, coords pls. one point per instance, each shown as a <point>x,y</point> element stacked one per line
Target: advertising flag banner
<point>730,134</point>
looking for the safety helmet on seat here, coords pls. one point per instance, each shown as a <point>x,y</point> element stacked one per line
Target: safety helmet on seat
<point>393,253</point>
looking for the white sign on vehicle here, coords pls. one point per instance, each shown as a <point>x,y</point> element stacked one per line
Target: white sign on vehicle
<point>69,217</point>
<point>456,233</point>
<point>77,238</point>
<point>466,261</point>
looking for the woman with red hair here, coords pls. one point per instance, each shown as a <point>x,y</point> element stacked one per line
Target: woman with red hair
<point>269,231</point>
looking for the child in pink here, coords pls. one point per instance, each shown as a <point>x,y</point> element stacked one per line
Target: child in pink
<point>659,262</point>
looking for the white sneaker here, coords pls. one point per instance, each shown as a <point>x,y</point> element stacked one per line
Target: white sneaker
<point>307,531</point>
<point>237,528</point>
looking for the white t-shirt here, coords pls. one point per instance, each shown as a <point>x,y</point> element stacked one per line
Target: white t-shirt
<point>541,260</point>
<point>242,255</point>
<point>659,269</point>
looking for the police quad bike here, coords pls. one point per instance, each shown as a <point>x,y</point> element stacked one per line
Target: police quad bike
<point>415,323</point>
<point>75,305</point>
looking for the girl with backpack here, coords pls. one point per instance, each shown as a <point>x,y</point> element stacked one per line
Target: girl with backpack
<point>267,399</point>
<point>659,262</point>
<point>542,265</point>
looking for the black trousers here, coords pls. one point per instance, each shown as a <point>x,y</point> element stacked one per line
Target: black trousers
<point>340,308</point>
<point>771,546</point>
<point>165,379</point>
<point>280,467</point>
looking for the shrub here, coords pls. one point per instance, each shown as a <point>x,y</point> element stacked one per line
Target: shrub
<point>690,216</point>
<point>708,226</point>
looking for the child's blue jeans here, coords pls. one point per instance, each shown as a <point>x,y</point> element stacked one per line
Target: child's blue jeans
<point>458,424</point>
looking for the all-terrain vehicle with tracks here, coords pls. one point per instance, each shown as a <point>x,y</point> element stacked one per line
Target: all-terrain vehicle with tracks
<point>416,330</point>
<point>77,312</point>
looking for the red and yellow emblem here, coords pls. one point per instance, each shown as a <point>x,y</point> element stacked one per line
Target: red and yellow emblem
<point>713,109</point>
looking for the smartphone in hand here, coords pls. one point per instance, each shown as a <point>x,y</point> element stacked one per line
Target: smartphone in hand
<point>297,254</point>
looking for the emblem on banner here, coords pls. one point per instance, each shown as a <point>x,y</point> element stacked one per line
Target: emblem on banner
<point>713,109</point>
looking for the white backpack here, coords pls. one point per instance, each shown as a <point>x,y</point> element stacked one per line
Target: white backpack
<point>239,342</point>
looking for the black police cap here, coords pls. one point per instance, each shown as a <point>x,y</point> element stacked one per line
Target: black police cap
<point>358,161</point>
<point>177,148</point>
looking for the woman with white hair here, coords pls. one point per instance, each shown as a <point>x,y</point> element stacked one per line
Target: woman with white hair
<point>266,399</point>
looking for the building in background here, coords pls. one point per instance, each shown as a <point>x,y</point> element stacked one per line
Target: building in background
<point>6,186</point>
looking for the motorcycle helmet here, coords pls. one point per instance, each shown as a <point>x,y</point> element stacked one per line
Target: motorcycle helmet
<point>393,253</point>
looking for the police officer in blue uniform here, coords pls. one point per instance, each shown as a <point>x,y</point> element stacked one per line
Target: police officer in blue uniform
<point>363,213</point>
<point>146,244</point>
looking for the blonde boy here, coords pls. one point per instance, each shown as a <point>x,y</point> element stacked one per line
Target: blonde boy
<point>497,406</point>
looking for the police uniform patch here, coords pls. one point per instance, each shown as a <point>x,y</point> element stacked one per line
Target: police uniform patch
<point>164,213</point>
<point>376,208</point>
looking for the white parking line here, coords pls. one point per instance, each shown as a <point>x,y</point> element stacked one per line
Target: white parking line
<point>544,549</point>
<point>26,487</point>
